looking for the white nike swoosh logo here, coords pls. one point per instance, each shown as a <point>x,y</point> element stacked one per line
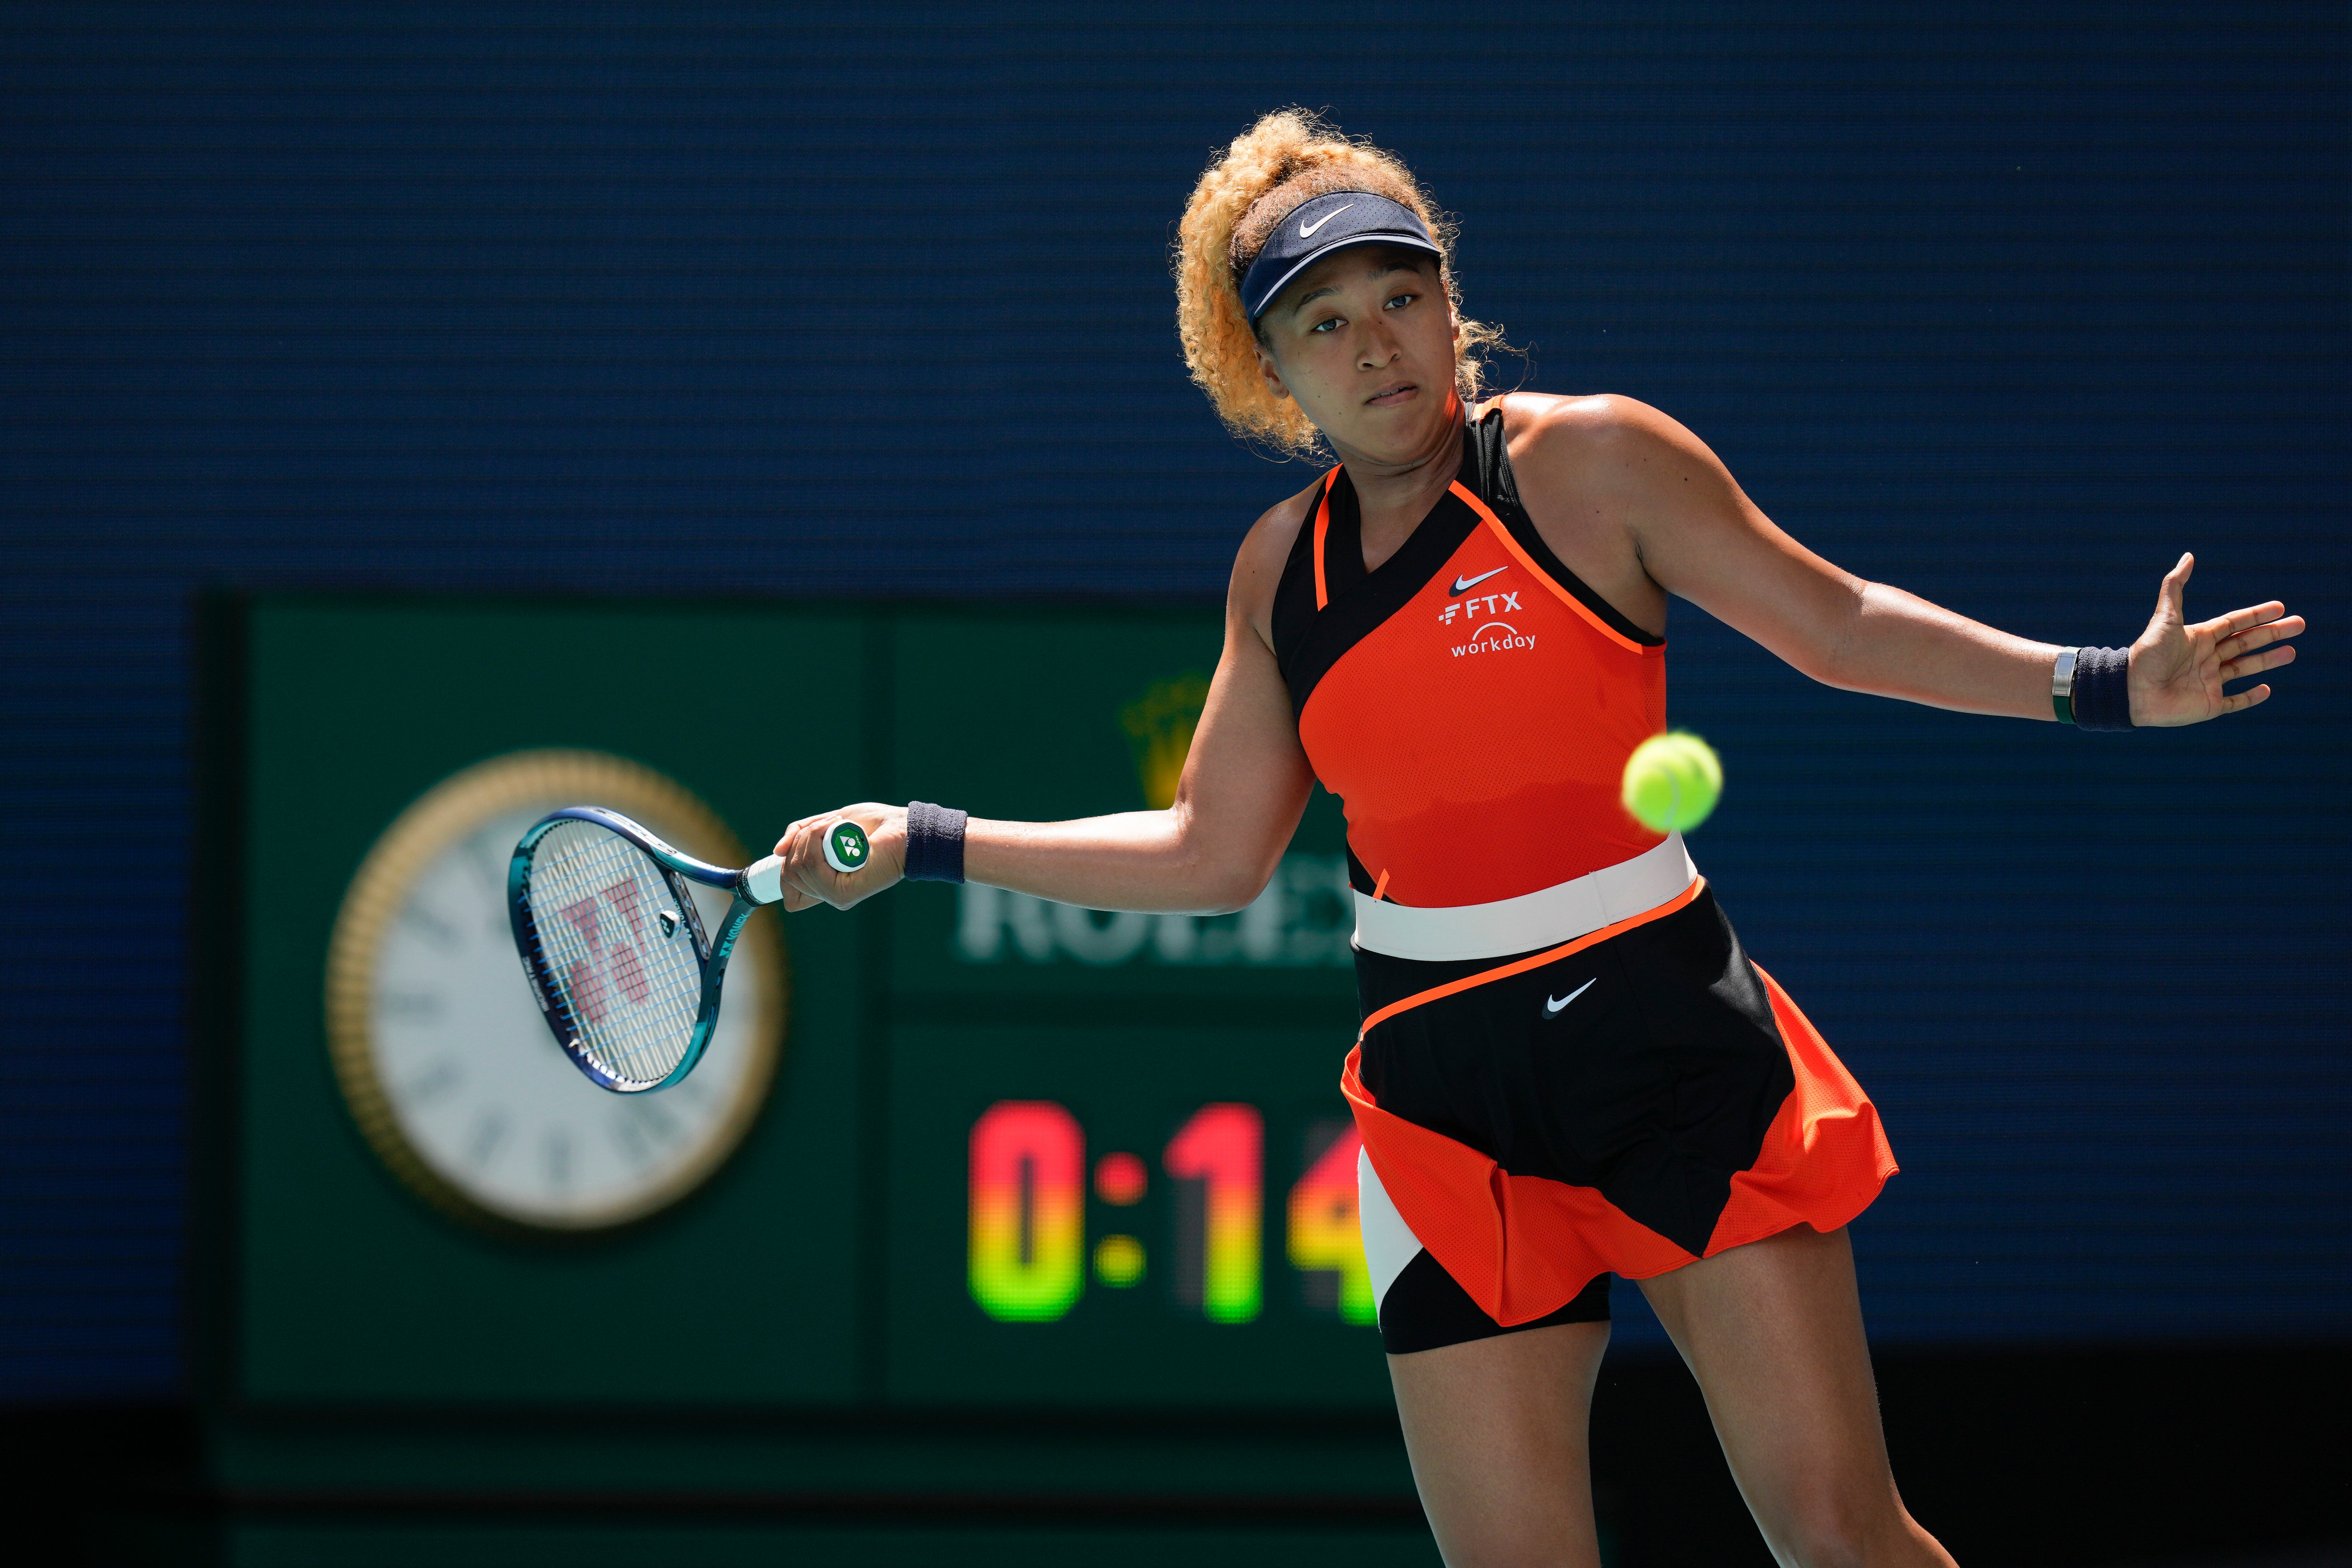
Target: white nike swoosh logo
<point>1464,584</point>
<point>1552,1004</point>
<point>1306,230</point>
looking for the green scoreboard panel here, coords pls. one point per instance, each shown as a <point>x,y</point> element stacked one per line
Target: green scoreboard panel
<point>1017,1160</point>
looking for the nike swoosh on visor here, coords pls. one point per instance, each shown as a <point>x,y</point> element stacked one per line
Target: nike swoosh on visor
<point>1307,233</point>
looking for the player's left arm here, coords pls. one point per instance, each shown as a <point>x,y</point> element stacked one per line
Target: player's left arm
<point>1699,536</point>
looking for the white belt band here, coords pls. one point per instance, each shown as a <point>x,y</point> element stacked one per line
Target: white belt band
<point>1542,919</point>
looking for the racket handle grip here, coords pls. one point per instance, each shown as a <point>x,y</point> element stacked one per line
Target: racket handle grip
<point>763,880</point>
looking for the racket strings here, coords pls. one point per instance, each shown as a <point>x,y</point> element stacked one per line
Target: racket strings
<point>633,992</point>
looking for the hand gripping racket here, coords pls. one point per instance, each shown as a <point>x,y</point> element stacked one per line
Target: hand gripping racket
<point>625,973</point>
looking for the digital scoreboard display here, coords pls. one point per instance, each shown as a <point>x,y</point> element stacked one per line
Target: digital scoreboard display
<point>1107,1232</point>
<point>1016,1152</point>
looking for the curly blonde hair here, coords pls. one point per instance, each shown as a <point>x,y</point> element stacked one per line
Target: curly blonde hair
<point>1289,156</point>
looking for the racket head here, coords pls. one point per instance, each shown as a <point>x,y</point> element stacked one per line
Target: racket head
<point>616,955</point>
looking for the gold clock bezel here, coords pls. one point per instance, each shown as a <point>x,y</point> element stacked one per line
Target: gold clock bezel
<point>441,817</point>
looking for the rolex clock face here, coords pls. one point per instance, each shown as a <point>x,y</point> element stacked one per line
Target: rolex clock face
<point>442,1053</point>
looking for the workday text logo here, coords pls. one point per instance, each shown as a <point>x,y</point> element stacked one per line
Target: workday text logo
<point>1480,616</point>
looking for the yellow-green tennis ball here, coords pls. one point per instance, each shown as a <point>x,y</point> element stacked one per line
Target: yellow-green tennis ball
<point>1671,782</point>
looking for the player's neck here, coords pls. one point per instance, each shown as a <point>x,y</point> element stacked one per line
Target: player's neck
<point>1393,494</point>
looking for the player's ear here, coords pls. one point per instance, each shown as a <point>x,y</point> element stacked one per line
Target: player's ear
<point>1267,368</point>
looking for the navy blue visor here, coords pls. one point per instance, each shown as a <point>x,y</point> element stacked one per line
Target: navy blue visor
<point>1315,228</point>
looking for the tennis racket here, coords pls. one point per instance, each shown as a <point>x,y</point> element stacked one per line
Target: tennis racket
<point>625,973</point>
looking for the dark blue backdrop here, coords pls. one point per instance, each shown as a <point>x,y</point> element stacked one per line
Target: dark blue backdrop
<point>2007,306</point>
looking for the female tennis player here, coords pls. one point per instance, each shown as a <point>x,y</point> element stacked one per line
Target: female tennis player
<point>1568,1066</point>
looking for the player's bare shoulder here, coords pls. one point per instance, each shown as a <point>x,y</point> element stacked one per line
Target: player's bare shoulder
<point>1266,549</point>
<point>1577,440</point>
<point>1588,469</point>
<point>1575,454</point>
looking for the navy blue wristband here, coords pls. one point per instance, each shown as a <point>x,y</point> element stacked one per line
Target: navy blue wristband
<point>2102,688</point>
<point>934,843</point>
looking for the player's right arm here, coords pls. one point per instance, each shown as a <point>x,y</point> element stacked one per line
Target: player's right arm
<point>1246,783</point>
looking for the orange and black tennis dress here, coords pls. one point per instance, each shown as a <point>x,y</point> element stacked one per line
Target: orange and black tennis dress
<point>1568,1067</point>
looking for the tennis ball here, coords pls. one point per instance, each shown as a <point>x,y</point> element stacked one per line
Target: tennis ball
<point>1671,782</point>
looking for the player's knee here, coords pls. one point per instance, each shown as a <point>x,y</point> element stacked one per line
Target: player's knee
<point>1829,1526</point>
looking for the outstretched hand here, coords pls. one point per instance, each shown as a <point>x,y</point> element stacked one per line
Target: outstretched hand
<point>809,880</point>
<point>2178,670</point>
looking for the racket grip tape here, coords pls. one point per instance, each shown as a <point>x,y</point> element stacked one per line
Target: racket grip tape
<point>763,880</point>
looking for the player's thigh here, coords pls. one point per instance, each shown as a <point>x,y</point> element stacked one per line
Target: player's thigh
<point>1496,1429</point>
<point>1773,1332</point>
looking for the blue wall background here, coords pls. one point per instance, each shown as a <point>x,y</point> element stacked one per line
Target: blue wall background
<point>2004,304</point>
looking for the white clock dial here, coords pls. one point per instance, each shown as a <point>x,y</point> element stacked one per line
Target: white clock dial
<point>472,1098</point>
